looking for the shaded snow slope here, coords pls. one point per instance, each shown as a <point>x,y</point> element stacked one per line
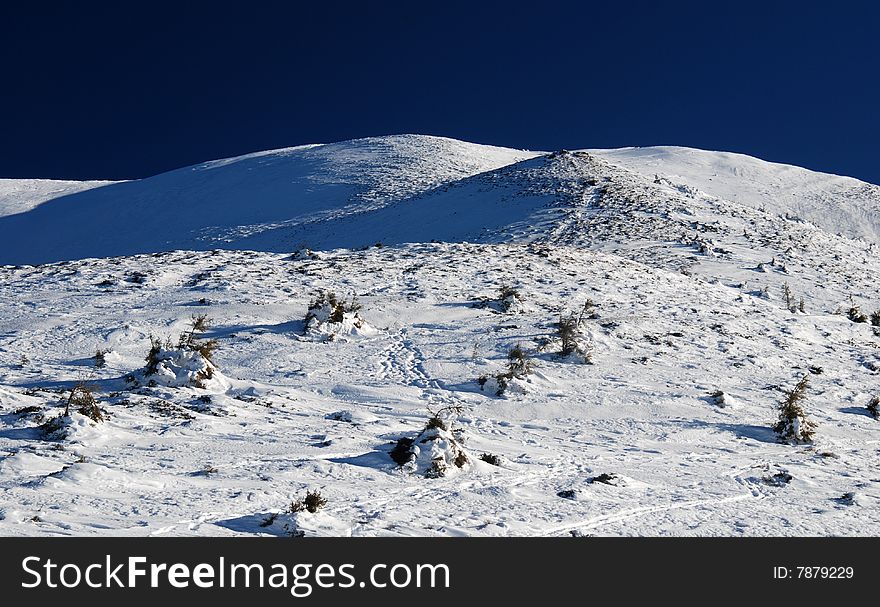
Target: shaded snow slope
<point>219,203</point>
<point>839,204</point>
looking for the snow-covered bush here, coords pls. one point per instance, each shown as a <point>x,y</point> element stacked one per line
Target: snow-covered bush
<point>855,314</point>
<point>303,254</point>
<point>722,399</point>
<point>793,425</point>
<point>570,338</point>
<point>75,427</point>
<point>329,317</point>
<point>55,428</point>
<point>177,367</point>
<point>789,299</point>
<point>100,358</point>
<point>874,407</point>
<point>298,520</point>
<point>436,451</point>
<point>188,363</point>
<point>509,298</point>
<point>490,458</point>
<point>519,365</point>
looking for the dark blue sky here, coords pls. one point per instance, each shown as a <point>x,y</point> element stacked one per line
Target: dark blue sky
<point>131,89</point>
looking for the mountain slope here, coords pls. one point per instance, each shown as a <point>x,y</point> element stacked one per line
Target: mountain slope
<point>414,189</point>
<point>21,195</point>
<point>217,203</point>
<point>838,204</point>
<point>696,307</point>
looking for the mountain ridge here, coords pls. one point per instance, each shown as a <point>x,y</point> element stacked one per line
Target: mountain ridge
<point>396,189</point>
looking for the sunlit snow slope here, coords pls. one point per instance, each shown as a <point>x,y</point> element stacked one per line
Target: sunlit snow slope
<point>20,195</point>
<point>838,204</point>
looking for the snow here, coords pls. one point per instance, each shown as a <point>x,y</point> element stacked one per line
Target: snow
<point>267,197</point>
<point>21,195</point>
<point>691,350</point>
<point>838,204</point>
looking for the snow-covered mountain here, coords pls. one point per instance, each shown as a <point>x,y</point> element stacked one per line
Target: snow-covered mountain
<point>699,288</point>
<point>839,204</point>
<point>265,200</point>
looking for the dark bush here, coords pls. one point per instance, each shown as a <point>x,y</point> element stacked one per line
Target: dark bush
<point>793,424</point>
<point>490,458</point>
<point>312,502</point>
<point>874,407</point>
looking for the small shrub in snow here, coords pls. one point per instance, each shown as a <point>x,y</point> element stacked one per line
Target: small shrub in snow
<point>55,428</point>
<point>312,502</point>
<point>174,367</point>
<point>189,362</point>
<point>152,359</point>
<point>402,452</point>
<point>83,400</point>
<point>496,384</point>
<point>874,407</point>
<point>302,254</point>
<point>568,331</point>
<point>193,341</point>
<point>793,425</point>
<point>780,479</point>
<point>721,399</point>
<point>436,451</point>
<point>607,479</point>
<point>875,318</point>
<point>519,365</point>
<point>100,358</point>
<point>788,298</point>
<point>508,298</point>
<point>491,459</point>
<point>855,314</point>
<point>269,520</point>
<point>847,499</point>
<point>329,316</point>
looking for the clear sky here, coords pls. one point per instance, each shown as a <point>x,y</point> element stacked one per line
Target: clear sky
<point>130,89</point>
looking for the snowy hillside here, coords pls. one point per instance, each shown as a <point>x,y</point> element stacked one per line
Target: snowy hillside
<point>570,343</point>
<point>20,195</point>
<point>838,204</point>
<point>224,203</point>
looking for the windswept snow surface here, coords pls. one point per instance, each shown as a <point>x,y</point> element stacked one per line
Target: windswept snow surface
<point>660,425</point>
